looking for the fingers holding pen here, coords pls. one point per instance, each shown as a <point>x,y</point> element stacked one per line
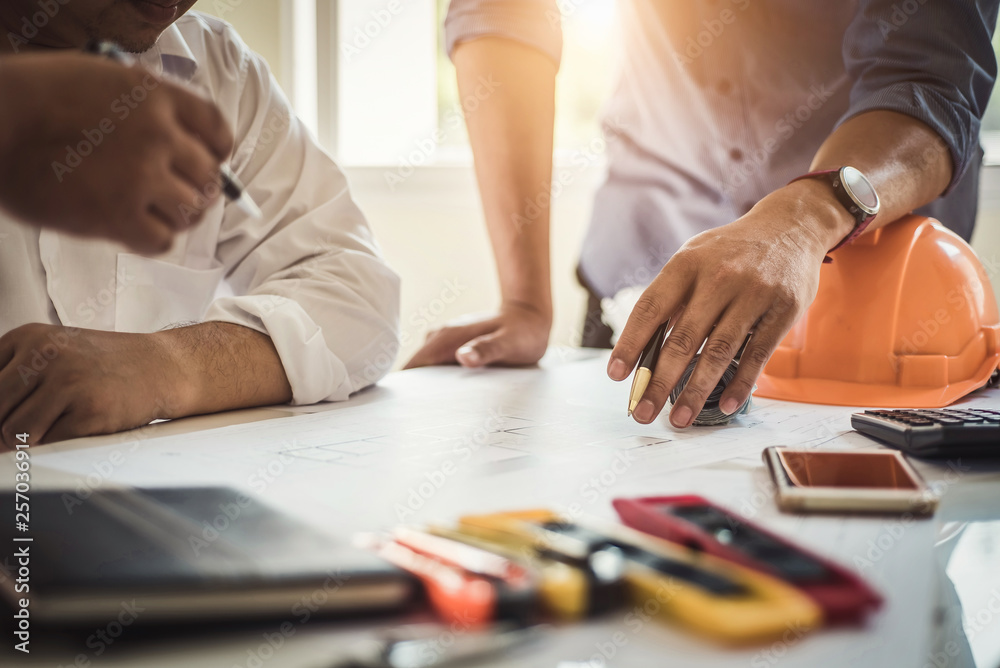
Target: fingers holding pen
<point>658,303</point>
<point>683,341</point>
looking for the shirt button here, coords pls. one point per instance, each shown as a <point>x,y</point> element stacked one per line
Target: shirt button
<point>723,87</point>
<point>736,154</point>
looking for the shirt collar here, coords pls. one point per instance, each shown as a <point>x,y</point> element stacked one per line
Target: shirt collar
<point>171,55</point>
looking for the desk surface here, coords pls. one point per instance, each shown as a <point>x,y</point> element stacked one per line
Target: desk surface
<point>431,444</point>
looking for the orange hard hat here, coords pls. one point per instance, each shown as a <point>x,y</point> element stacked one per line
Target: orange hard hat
<point>905,317</point>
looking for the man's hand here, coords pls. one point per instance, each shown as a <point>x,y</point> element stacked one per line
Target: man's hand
<point>94,148</point>
<point>61,382</point>
<point>516,336</point>
<point>760,272</point>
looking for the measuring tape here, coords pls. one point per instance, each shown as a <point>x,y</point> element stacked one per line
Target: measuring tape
<point>711,414</point>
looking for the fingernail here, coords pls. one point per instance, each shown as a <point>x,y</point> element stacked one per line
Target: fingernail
<point>468,355</point>
<point>644,411</point>
<point>681,417</point>
<point>618,371</point>
<point>729,406</point>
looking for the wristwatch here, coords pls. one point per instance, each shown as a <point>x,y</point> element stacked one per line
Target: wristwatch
<point>855,192</point>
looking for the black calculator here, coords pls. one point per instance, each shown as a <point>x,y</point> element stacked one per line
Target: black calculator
<point>939,432</point>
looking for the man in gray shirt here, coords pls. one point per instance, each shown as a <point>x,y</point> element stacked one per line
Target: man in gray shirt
<point>720,104</point>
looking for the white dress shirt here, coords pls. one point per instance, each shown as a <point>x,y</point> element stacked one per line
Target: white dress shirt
<point>309,274</point>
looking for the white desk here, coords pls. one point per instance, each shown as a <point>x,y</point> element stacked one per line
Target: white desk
<point>440,442</point>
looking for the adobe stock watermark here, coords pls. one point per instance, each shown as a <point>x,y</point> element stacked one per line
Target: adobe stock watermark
<point>580,161</point>
<point>102,471</point>
<point>363,35</point>
<point>212,529</point>
<point>712,29</point>
<point>424,148</point>
<point>59,340</point>
<point>635,619</point>
<point>773,653</point>
<point>121,109</point>
<point>597,487</point>
<point>958,299</point>
<point>302,610</point>
<point>31,24</point>
<point>380,360</point>
<point>901,13</point>
<point>230,511</point>
<point>784,129</point>
<point>418,494</point>
<point>102,638</point>
<point>977,622</point>
<point>893,531</point>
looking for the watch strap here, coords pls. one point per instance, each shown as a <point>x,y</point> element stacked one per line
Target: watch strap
<point>861,222</point>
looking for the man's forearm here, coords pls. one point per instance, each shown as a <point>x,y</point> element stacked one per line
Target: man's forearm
<point>511,132</point>
<point>906,161</point>
<point>220,366</point>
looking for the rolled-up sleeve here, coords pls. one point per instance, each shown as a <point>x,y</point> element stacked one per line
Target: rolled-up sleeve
<point>929,59</point>
<point>534,23</point>
<point>309,273</point>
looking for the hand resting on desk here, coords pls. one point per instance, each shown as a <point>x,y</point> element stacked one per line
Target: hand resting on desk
<point>63,382</point>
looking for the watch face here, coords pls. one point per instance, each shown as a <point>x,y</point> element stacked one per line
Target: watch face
<point>860,189</point>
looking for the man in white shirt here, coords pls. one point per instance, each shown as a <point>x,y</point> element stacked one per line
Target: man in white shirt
<point>296,306</point>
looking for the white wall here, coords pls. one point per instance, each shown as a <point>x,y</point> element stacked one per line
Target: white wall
<point>259,23</point>
<point>431,229</point>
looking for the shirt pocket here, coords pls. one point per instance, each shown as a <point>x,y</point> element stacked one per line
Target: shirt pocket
<point>155,295</point>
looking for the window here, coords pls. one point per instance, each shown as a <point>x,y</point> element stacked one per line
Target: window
<point>990,136</point>
<point>376,58</point>
<point>377,106</point>
<point>584,81</point>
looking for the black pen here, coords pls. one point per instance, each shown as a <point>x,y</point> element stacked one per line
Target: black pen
<point>232,187</point>
<point>645,369</point>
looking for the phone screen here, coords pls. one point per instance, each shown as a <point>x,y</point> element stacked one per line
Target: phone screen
<point>792,565</point>
<point>869,470</point>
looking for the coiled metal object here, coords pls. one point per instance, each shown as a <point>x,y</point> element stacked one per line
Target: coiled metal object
<point>711,414</point>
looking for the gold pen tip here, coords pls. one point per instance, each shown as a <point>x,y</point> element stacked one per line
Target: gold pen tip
<point>629,413</point>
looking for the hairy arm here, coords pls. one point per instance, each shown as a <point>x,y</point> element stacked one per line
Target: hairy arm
<point>221,366</point>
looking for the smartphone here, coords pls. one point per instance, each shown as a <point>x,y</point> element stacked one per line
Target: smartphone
<point>705,527</point>
<point>840,481</point>
<point>718,599</point>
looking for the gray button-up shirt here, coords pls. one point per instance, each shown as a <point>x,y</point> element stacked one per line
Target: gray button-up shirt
<point>720,102</point>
